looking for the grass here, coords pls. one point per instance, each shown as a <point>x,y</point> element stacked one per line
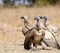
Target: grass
<point>11,37</point>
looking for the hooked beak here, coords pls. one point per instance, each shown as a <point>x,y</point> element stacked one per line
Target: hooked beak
<point>35,18</point>
<point>22,17</point>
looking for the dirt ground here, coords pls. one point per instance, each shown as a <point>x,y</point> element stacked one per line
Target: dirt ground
<point>11,37</point>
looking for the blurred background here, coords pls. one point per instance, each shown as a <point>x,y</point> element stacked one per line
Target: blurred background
<point>11,37</point>
<point>29,2</point>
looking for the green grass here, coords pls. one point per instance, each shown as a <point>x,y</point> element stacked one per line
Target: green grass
<point>46,2</point>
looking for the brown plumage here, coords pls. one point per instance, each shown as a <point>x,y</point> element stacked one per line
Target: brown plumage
<point>32,35</point>
<point>27,26</point>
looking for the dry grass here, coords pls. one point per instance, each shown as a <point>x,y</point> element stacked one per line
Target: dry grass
<point>11,37</point>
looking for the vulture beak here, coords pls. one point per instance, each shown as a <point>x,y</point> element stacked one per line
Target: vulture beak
<point>37,18</point>
<point>22,17</point>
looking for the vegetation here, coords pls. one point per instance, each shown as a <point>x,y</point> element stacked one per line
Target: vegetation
<point>40,2</point>
<point>46,2</point>
<point>6,1</point>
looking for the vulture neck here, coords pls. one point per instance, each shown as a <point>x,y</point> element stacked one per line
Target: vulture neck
<point>25,21</point>
<point>38,23</point>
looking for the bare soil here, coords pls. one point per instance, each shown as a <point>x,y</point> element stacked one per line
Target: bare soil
<point>11,37</point>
